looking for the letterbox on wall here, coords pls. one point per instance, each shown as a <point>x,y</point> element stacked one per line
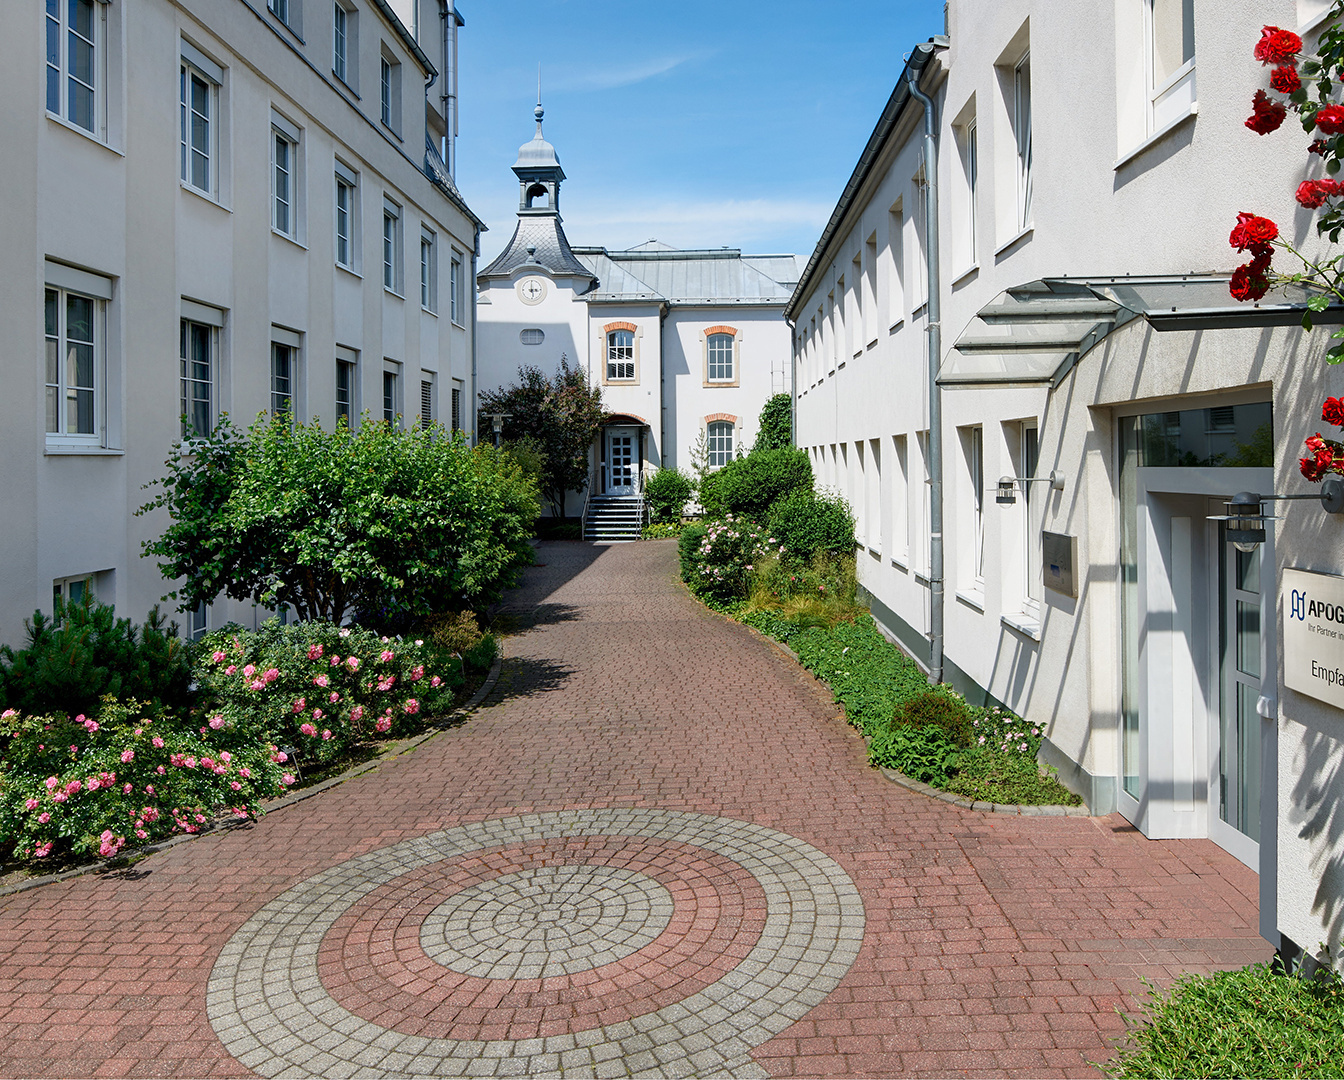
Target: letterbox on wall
<point>1059,555</point>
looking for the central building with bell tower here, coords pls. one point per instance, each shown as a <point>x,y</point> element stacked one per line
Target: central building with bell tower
<point>686,345</point>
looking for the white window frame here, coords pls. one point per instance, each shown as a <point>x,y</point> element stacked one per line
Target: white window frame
<point>1172,98</point>
<point>1033,509</point>
<point>60,587</point>
<point>60,25</point>
<point>968,155</point>
<point>196,67</point>
<point>346,178</point>
<point>918,278</point>
<point>389,91</point>
<point>429,270</point>
<point>726,359</point>
<point>347,363</point>
<point>1022,139</point>
<point>618,358</point>
<point>391,392</point>
<point>191,381</point>
<point>895,264</point>
<point>60,390</point>
<point>975,468</point>
<point>340,40</point>
<point>393,259</point>
<point>900,500</point>
<point>720,442</point>
<point>456,302</point>
<point>285,397</point>
<point>285,178</point>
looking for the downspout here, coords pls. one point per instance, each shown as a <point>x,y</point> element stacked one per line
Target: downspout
<point>449,16</point>
<point>475,404</point>
<point>793,382</point>
<point>936,589</point>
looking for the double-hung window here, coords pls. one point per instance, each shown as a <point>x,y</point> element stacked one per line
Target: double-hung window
<point>284,177</point>
<point>340,39</point>
<point>1022,137</point>
<point>284,375</point>
<point>198,107</point>
<point>74,60</point>
<point>73,362</point>
<point>391,390</point>
<point>620,355</point>
<point>429,271</point>
<point>347,216</point>
<point>456,307</point>
<point>347,367</point>
<point>719,439</point>
<point>389,92</point>
<point>198,379</point>
<point>720,358</point>
<point>392,246</point>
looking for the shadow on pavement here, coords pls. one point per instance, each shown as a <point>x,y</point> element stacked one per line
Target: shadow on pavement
<point>522,677</point>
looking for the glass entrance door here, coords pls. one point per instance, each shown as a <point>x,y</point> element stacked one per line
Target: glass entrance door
<point>1237,774</point>
<point>621,463</point>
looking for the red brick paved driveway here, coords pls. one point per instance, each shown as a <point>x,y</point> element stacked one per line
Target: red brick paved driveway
<point>656,849</point>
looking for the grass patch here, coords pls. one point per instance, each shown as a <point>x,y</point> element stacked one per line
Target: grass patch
<point>996,778</point>
<point>1255,1021</point>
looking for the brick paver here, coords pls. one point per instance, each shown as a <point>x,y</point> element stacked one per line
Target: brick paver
<point>656,849</point>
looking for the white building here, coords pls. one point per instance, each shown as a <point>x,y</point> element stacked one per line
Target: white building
<point>1070,339</point>
<point>686,345</point>
<point>211,206</point>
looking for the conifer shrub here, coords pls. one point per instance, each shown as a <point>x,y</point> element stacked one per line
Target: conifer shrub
<point>937,709</point>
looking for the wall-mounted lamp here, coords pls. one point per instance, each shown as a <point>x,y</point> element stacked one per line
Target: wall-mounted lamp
<point>1246,517</point>
<point>497,423</point>
<point>1006,494</point>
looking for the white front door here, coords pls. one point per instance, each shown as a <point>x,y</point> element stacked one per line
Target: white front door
<point>621,466</point>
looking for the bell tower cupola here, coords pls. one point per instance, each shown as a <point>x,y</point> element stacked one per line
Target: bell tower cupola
<point>539,174</point>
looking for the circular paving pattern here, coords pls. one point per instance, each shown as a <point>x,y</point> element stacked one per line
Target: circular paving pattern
<point>593,942</point>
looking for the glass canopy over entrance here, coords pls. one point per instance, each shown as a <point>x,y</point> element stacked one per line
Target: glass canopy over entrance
<point>1033,334</point>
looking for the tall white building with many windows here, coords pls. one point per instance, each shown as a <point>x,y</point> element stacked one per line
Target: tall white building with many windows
<point>212,206</point>
<point>1039,401</point>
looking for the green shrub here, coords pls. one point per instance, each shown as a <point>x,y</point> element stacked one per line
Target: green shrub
<point>667,491</point>
<point>991,776</point>
<point>456,632</point>
<point>775,428</point>
<point>1254,1021</point>
<point>661,530</point>
<point>687,545</point>
<point>393,523</point>
<point>88,786</point>
<point>749,486</point>
<point>937,709</point>
<point>720,565</point>
<point>73,661</point>
<point>921,753</point>
<point>808,524</point>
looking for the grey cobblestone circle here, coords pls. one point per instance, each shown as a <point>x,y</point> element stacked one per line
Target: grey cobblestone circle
<point>268,1006</point>
<point>553,920</point>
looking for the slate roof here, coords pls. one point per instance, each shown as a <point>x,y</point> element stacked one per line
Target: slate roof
<point>551,250</point>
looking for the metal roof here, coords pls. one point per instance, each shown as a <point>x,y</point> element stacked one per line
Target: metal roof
<point>655,271</point>
<point>537,241</point>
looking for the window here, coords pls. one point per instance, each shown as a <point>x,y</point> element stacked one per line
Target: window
<point>73,361</point>
<point>532,335</point>
<point>198,369</point>
<point>287,11</point>
<point>198,98</point>
<point>457,405</point>
<point>974,443</point>
<point>199,621</point>
<point>390,390</point>
<point>964,228</point>
<point>1033,502</point>
<point>1022,138</point>
<point>720,347</point>
<point>1169,33</point>
<point>917,258</point>
<point>873,495</point>
<point>391,246</point>
<point>426,399</point>
<point>869,284</point>
<point>347,382</point>
<point>72,590</point>
<point>900,500</point>
<point>620,354</point>
<point>283,153</point>
<point>282,379</point>
<point>896,264</point>
<point>719,436</point>
<point>429,272</point>
<point>456,304</point>
<point>74,60</point>
<point>340,34</point>
<point>854,344</point>
<point>389,92</point>
<point>345,205</point>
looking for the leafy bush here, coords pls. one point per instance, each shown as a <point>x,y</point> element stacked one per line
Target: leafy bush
<point>937,709</point>
<point>667,491</point>
<point>319,688</point>
<point>991,776</point>
<point>84,653</point>
<point>775,428</point>
<point>661,530</point>
<point>457,632</point>
<point>93,785</point>
<point>921,753</point>
<point>688,543</point>
<point>393,523</point>
<point>749,486</point>
<point>1255,1021</point>
<point>721,564</point>
<point>809,524</point>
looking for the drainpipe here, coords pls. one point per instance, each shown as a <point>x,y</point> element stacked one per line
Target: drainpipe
<point>936,589</point>
<point>449,16</point>
<point>475,405</point>
<point>793,383</point>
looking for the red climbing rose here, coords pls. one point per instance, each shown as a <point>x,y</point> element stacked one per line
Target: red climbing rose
<point>1285,79</point>
<point>1332,412</point>
<point>1253,232</point>
<point>1331,119</point>
<point>1277,47</point>
<point>1268,115</point>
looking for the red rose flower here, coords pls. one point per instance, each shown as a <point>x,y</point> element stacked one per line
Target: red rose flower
<point>1268,115</point>
<point>1318,146</point>
<point>1315,443</point>
<point>1311,195</point>
<point>1308,468</point>
<point>1285,79</point>
<point>1247,283</point>
<point>1253,232</point>
<point>1277,46</point>
<point>1332,412</point>
<point>1331,119</point>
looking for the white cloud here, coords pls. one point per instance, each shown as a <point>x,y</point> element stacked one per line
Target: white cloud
<point>600,75</point>
<point>711,223</point>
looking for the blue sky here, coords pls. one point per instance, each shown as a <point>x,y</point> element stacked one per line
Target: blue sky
<point>703,124</point>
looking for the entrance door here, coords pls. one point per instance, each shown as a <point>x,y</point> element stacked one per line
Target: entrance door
<point>621,462</point>
<point>1236,742</point>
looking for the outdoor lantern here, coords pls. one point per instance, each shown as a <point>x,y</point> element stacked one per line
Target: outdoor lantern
<point>1246,520</point>
<point>1006,496</point>
<point>497,424</point>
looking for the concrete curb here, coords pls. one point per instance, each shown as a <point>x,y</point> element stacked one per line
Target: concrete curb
<point>1021,809</point>
<point>391,750</point>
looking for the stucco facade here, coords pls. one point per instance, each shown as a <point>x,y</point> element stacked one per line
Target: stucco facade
<point>1128,157</point>
<point>202,231</point>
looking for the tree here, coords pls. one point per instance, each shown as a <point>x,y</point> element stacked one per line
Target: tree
<point>775,428</point>
<point>561,416</point>
<point>387,522</point>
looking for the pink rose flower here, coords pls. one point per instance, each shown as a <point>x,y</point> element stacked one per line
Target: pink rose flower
<point>158,743</point>
<point>309,730</point>
<point>43,817</point>
<point>43,850</point>
<point>299,705</point>
<point>287,779</point>
<point>315,652</point>
<point>383,724</point>
<point>31,804</point>
<point>218,657</point>
<point>230,669</point>
<point>270,675</point>
<point>386,655</point>
<point>249,671</point>
<point>216,721</point>
<point>59,796</point>
<point>352,663</point>
<point>325,734</point>
<point>411,707</point>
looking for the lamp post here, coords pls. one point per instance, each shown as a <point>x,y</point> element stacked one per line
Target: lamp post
<point>497,424</point>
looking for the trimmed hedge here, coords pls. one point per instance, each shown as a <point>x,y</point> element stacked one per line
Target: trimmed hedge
<point>807,524</point>
<point>750,486</point>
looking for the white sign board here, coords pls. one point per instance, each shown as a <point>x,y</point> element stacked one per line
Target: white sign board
<point>1313,635</point>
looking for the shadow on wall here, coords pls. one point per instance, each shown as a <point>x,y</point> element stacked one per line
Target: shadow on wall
<point>1317,811</point>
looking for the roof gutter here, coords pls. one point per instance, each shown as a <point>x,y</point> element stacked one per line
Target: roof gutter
<point>886,125</point>
<point>407,38</point>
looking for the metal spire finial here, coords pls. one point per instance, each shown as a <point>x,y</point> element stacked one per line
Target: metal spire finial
<point>538,112</point>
